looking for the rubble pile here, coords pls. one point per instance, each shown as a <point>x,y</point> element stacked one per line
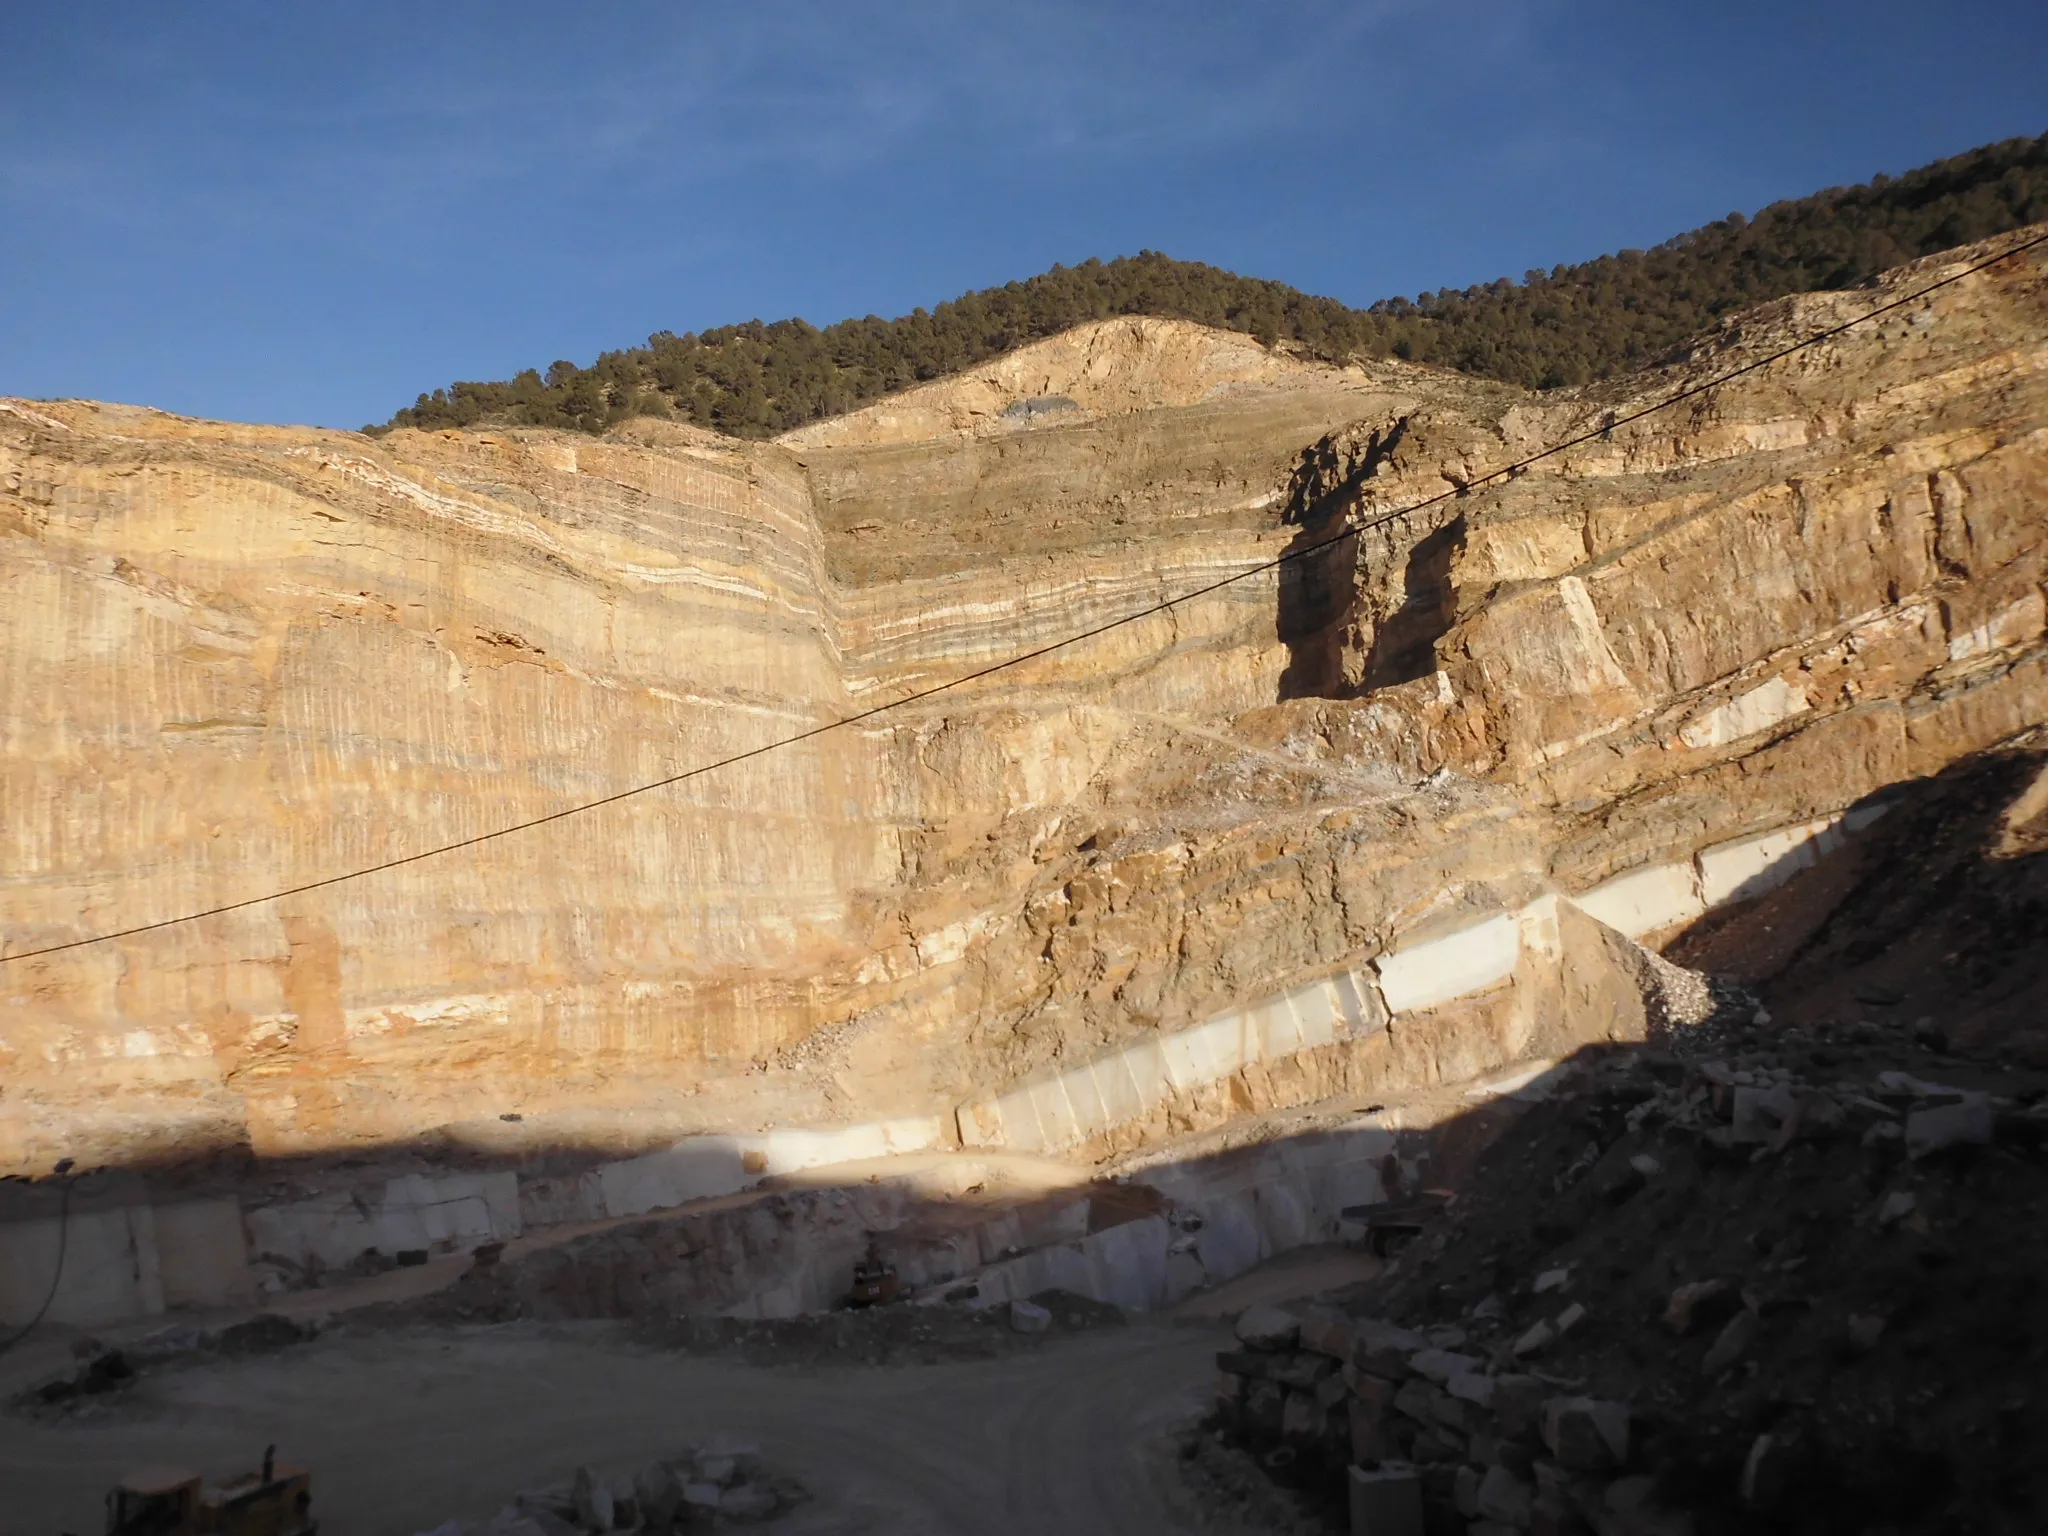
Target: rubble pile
<point>902,1333</point>
<point>719,1484</point>
<point>1763,1280</point>
<point>101,1373</point>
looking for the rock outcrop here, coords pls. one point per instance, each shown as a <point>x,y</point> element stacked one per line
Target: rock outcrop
<point>243,659</point>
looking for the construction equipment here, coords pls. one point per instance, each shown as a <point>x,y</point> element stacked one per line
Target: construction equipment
<point>875,1281</point>
<point>169,1501</point>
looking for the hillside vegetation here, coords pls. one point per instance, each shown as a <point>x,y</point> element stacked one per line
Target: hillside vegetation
<point>1569,325</point>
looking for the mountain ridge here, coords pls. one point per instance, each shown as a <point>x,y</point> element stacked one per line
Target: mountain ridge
<point>1572,325</point>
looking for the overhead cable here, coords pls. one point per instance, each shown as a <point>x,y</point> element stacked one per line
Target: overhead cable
<point>1350,530</point>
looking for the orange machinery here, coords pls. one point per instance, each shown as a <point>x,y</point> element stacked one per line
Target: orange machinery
<point>168,1501</point>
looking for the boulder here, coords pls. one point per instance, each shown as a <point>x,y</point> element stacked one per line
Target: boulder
<point>1302,1370</point>
<point>1377,1434</point>
<point>1417,1399</point>
<point>1264,1402</point>
<point>1303,1419</point>
<point>1383,1349</point>
<point>1267,1328</point>
<point>1700,1305</point>
<point>1472,1387</point>
<point>749,1501</point>
<point>1518,1406</point>
<point>1761,1113</point>
<point>703,1498</point>
<point>1440,1365</point>
<point>659,1493</point>
<point>1328,1332</point>
<point>1465,1492</point>
<point>593,1502</point>
<point>1969,1123</point>
<point>1586,1434</point>
<point>1504,1497</point>
<point>1897,1206</point>
<point>1772,1472</point>
<point>745,1455</point>
<point>1732,1343</point>
<point>1029,1317</point>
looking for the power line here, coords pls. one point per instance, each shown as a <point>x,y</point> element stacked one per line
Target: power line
<point>1349,531</point>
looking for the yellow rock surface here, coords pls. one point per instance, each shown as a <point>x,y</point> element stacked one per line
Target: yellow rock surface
<point>242,659</point>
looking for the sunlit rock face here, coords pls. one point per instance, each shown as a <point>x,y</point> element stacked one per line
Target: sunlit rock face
<point>238,659</point>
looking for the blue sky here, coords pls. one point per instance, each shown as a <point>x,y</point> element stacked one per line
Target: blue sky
<point>310,213</point>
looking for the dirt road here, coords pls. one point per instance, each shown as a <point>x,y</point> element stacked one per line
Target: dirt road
<point>406,1429</point>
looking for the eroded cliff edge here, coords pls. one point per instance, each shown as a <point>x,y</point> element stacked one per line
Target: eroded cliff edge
<point>235,659</point>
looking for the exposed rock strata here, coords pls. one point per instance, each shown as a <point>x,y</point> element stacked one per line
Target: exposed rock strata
<point>235,659</point>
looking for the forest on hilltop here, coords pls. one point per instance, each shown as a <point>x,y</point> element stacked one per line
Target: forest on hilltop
<point>1570,325</point>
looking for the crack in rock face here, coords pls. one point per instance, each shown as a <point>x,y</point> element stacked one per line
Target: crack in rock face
<point>1689,652</point>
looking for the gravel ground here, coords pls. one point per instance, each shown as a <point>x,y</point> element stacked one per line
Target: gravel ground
<point>406,1428</point>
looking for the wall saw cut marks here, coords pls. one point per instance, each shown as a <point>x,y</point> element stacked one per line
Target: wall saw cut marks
<point>236,658</point>
<point>1648,902</point>
<point>128,1257</point>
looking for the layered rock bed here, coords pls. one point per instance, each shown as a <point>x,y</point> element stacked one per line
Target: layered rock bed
<point>237,659</point>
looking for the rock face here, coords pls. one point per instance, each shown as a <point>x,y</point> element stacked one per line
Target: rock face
<point>241,659</point>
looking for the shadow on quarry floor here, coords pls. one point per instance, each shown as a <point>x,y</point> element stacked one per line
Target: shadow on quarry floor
<point>406,1405</point>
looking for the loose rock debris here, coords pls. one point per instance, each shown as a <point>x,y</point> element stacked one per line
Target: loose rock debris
<point>1757,1279</point>
<point>719,1484</point>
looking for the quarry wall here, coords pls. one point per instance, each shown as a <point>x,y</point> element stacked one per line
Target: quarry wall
<point>1465,1003</point>
<point>235,659</point>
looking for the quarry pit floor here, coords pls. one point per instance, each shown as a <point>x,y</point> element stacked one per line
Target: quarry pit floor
<point>409,1426</point>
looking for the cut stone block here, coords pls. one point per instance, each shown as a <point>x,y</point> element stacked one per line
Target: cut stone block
<point>1315,1011</point>
<point>1187,1059</point>
<point>1146,1062</point>
<point>1645,900</point>
<point>1750,866</point>
<point>1586,1434</point>
<point>1766,705</point>
<point>1504,1497</point>
<point>1386,1501</point>
<point>1969,1123</point>
<point>1091,1115</point>
<point>1283,1221</point>
<point>1128,1263</point>
<point>1432,971</point>
<point>1229,1242</point>
<point>1384,1349</point>
<point>1058,1125</point>
<point>1361,1002</point>
<point>1117,1089</point>
<point>1279,1031</point>
<point>1184,1276</point>
<point>696,1168</point>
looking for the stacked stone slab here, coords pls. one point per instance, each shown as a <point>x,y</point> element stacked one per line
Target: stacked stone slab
<point>1434,1438</point>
